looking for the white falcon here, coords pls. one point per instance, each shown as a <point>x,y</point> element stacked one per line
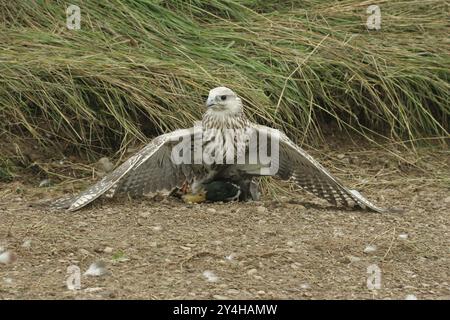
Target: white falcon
<point>218,154</point>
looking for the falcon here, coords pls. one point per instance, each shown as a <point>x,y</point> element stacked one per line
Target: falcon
<point>219,159</point>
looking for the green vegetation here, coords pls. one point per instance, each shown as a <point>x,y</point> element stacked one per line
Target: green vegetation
<point>139,68</point>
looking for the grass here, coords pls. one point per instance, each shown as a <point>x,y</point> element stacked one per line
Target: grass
<point>6,170</point>
<point>140,68</point>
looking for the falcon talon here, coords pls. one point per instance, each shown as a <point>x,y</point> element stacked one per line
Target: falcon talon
<point>194,198</point>
<point>215,191</point>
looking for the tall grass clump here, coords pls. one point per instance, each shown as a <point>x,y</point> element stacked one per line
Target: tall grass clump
<point>138,68</point>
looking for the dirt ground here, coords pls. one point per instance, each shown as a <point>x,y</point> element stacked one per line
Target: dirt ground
<point>292,246</point>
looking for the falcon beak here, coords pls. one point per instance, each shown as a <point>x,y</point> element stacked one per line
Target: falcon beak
<point>210,102</point>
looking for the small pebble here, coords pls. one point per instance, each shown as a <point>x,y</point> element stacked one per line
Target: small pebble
<point>8,257</point>
<point>261,209</point>
<point>211,210</point>
<point>252,272</point>
<point>410,297</point>
<point>26,244</point>
<point>305,286</point>
<point>108,250</point>
<point>93,290</point>
<point>144,214</point>
<point>370,248</point>
<point>233,291</point>
<point>45,183</point>
<point>353,259</point>
<point>230,257</point>
<point>220,297</point>
<point>210,276</point>
<point>403,236</point>
<point>96,269</point>
<point>84,252</point>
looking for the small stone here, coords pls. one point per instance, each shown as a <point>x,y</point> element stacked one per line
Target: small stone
<point>84,252</point>
<point>26,244</point>
<point>261,292</point>
<point>370,248</point>
<point>252,272</point>
<point>233,291</point>
<point>410,297</point>
<point>185,248</point>
<point>403,236</point>
<point>210,276</point>
<point>144,214</point>
<point>261,209</point>
<point>8,281</point>
<point>447,200</point>
<point>8,257</point>
<point>220,297</point>
<point>45,183</point>
<point>305,286</point>
<point>108,250</point>
<point>231,257</point>
<point>211,210</point>
<point>157,228</point>
<point>96,269</point>
<point>109,294</point>
<point>93,290</point>
<point>352,259</point>
<point>290,243</point>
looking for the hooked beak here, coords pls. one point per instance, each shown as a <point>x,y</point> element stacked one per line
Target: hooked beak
<point>210,102</point>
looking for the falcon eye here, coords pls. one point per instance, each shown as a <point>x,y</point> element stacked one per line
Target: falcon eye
<point>223,98</point>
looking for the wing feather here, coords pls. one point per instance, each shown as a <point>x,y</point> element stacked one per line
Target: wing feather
<point>149,170</point>
<point>296,164</point>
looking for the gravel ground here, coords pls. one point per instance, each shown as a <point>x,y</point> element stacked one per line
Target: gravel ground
<point>291,247</point>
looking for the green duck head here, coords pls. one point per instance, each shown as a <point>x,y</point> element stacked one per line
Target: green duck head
<point>222,191</point>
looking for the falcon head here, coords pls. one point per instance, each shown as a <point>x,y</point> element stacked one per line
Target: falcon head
<point>222,99</point>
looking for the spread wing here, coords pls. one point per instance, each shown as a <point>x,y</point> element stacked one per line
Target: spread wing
<point>295,163</point>
<point>149,170</point>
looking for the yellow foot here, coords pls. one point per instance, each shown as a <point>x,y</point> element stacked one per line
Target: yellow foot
<point>194,198</point>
